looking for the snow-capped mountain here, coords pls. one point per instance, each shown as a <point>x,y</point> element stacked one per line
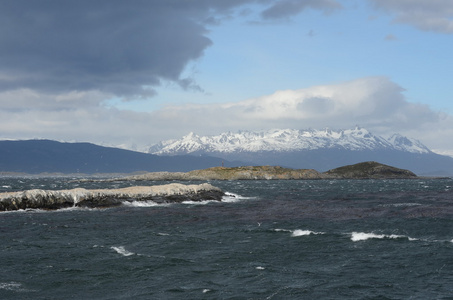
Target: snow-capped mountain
<point>287,140</point>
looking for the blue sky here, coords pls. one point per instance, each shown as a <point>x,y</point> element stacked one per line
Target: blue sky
<point>251,58</point>
<point>114,73</point>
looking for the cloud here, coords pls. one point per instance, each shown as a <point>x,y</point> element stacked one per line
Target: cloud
<point>113,46</point>
<point>432,15</point>
<point>375,103</point>
<point>368,101</point>
<point>289,8</point>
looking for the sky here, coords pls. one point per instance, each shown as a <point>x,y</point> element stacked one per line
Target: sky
<point>133,73</point>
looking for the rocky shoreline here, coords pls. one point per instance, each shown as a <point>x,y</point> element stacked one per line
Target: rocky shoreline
<point>102,198</point>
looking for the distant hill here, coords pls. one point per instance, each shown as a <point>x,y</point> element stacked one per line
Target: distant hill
<point>369,169</point>
<point>45,156</point>
<point>312,149</point>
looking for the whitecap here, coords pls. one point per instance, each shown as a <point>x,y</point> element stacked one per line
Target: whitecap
<point>300,232</point>
<point>231,197</point>
<point>9,286</point>
<point>163,234</point>
<point>142,203</point>
<point>204,202</point>
<point>282,230</point>
<point>12,286</point>
<point>363,236</point>
<point>206,291</point>
<point>260,268</point>
<point>121,250</point>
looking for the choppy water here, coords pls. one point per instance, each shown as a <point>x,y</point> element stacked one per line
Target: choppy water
<point>351,239</point>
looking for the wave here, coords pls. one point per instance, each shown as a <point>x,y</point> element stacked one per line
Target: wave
<point>231,197</point>
<point>13,286</point>
<point>121,250</point>
<point>203,202</point>
<point>282,230</point>
<point>401,204</point>
<point>363,236</point>
<point>298,232</point>
<point>143,203</point>
<point>47,211</point>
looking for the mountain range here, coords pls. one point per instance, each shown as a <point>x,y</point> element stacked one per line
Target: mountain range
<point>318,149</point>
<point>321,150</point>
<point>46,156</point>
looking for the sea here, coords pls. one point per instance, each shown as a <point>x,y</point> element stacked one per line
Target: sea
<point>282,239</point>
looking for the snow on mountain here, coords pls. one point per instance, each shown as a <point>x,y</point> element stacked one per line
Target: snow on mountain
<point>286,140</point>
<point>405,144</point>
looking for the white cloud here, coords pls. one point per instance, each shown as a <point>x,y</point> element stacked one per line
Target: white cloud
<point>375,103</point>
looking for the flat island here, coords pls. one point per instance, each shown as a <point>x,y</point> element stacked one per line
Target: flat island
<point>365,170</point>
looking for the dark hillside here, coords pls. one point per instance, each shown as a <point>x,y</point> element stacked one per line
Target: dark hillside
<point>369,169</point>
<point>39,156</point>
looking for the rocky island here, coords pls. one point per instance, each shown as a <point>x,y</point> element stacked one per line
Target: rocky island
<point>365,170</point>
<point>50,199</point>
<point>176,192</point>
<point>369,170</point>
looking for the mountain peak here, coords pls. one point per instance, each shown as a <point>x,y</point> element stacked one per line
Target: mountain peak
<point>287,140</point>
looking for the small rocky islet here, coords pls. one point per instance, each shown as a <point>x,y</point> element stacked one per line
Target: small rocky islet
<point>102,198</point>
<point>177,192</point>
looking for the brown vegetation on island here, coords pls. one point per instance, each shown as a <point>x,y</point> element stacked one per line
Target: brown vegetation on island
<point>371,170</point>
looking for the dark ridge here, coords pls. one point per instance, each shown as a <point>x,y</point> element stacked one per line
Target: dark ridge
<point>45,156</point>
<point>370,169</point>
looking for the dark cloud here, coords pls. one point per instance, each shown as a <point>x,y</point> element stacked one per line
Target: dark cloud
<point>288,8</point>
<point>113,46</point>
<point>117,47</point>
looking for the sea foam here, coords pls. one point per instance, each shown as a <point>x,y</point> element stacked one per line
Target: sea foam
<point>300,232</point>
<point>231,197</point>
<point>363,236</point>
<point>13,286</point>
<point>203,202</point>
<point>121,250</point>
<point>142,203</point>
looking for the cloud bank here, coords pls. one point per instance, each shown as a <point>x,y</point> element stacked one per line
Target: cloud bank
<point>375,103</point>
